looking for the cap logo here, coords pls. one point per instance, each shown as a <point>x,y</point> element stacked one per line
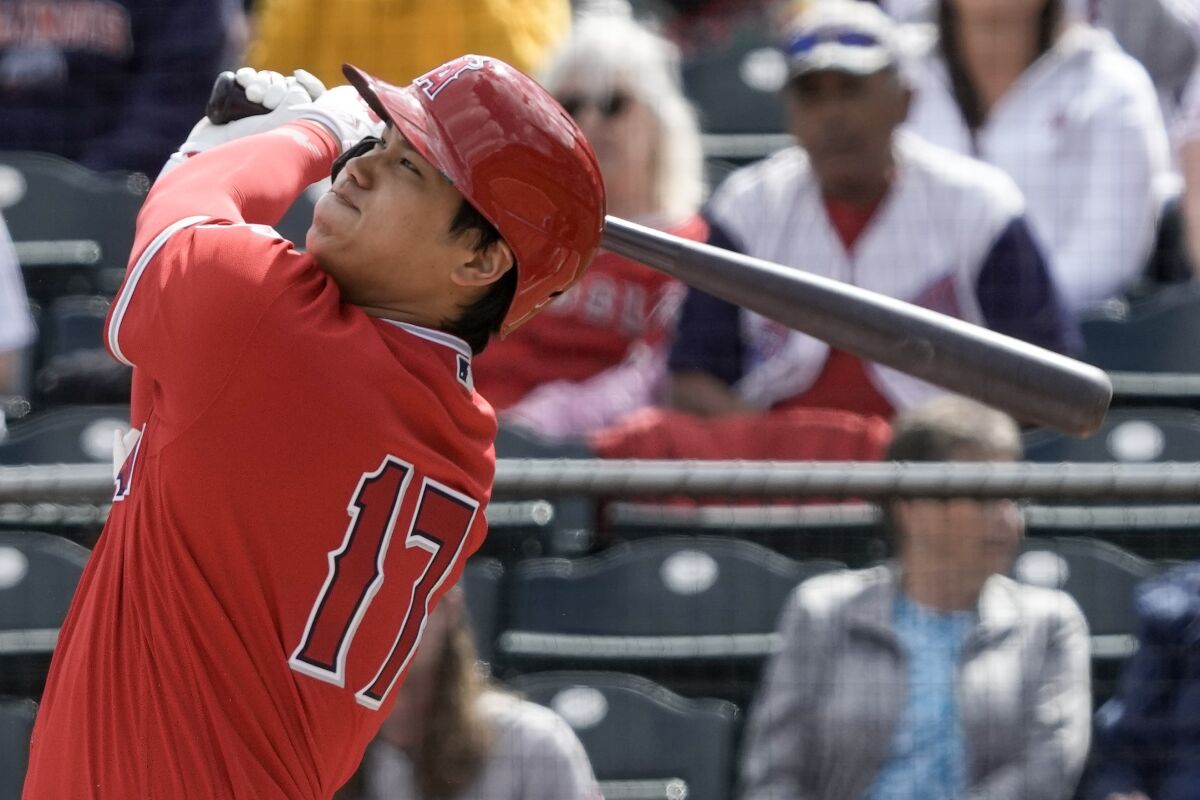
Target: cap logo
<point>433,82</point>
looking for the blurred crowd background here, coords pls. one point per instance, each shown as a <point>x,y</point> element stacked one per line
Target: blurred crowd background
<point>1032,166</point>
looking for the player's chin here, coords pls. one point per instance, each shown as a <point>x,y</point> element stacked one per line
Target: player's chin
<point>327,228</point>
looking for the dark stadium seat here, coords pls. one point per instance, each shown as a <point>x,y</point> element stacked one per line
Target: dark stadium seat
<point>735,84</point>
<point>1153,532</point>
<point>16,726</point>
<point>38,575</point>
<point>644,741</point>
<point>66,435</point>
<point>71,323</point>
<point>847,532</point>
<point>483,586</point>
<point>1128,435</point>
<point>1102,578</point>
<point>521,526</point>
<point>72,227</point>
<point>853,533</point>
<point>695,613</point>
<point>1157,333</point>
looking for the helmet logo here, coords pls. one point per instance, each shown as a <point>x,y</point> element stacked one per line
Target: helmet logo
<point>433,82</point>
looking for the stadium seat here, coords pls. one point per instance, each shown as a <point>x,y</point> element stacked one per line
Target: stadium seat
<point>734,84</point>
<point>1102,578</point>
<point>1155,334</point>
<point>66,435</point>
<point>696,613</point>
<point>38,575</point>
<point>16,726</point>
<point>644,741</point>
<point>1153,532</point>
<point>483,588</point>
<point>71,323</point>
<point>528,526</point>
<point>846,532</point>
<point>1128,435</point>
<point>73,228</point>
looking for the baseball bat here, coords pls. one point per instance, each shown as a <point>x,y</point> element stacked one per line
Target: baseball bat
<point>1030,383</point>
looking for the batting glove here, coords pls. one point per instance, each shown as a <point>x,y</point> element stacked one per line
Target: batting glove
<point>282,97</point>
<point>343,111</point>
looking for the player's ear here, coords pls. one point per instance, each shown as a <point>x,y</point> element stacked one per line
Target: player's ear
<point>485,266</point>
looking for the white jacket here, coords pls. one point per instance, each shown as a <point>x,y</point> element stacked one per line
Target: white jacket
<point>925,244</point>
<point>1082,135</point>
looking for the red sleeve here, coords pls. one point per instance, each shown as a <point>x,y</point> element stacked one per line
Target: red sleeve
<point>255,179</point>
<point>204,274</point>
<point>186,315</point>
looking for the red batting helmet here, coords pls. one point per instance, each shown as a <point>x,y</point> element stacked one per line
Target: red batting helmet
<point>515,155</point>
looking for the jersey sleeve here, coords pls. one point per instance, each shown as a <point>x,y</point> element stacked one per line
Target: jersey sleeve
<point>206,264</point>
<point>192,301</point>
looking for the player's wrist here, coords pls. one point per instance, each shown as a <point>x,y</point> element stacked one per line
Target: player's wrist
<point>344,114</point>
<point>318,138</point>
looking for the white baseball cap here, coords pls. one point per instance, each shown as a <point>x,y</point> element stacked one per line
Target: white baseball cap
<point>841,36</point>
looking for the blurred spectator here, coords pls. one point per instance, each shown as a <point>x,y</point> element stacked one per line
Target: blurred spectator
<point>933,676</point>
<point>700,26</point>
<point>866,206</point>
<point>1161,34</point>
<point>111,84</point>
<point>1148,735</point>
<point>599,351</point>
<point>400,40</point>
<point>16,324</point>
<point>451,736</point>
<point>1073,120</point>
<point>1187,138</point>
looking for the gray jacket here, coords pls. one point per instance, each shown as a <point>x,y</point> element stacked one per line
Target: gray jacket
<point>823,724</point>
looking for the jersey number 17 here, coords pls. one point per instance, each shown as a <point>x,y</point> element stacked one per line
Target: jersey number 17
<point>439,528</point>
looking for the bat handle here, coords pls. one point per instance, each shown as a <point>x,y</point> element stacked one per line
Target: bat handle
<point>228,101</point>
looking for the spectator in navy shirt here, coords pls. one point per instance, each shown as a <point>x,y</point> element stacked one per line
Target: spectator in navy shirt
<point>111,84</point>
<point>863,204</point>
<point>1147,739</point>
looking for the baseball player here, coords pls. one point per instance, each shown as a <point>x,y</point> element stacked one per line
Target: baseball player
<point>313,462</point>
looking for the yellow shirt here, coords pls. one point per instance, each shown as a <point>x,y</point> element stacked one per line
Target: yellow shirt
<point>397,40</point>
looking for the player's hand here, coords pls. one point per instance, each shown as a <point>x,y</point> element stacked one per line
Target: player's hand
<point>269,100</point>
<point>343,111</point>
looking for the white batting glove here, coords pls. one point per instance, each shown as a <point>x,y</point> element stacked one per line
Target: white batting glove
<point>343,111</point>
<point>282,96</point>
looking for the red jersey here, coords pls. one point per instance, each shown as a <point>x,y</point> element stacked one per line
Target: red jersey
<point>308,483</point>
<point>587,330</point>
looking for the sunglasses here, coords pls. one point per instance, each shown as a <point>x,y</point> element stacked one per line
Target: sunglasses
<point>806,43</point>
<point>611,106</point>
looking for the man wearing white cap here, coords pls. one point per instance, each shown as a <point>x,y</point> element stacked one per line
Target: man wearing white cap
<point>860,203</point>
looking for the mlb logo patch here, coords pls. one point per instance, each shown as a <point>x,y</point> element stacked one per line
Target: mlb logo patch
<point>464,372</point>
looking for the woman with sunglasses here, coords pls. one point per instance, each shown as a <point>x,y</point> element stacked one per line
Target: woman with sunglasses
<point>599,350</point>
<point>1072,119</point>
